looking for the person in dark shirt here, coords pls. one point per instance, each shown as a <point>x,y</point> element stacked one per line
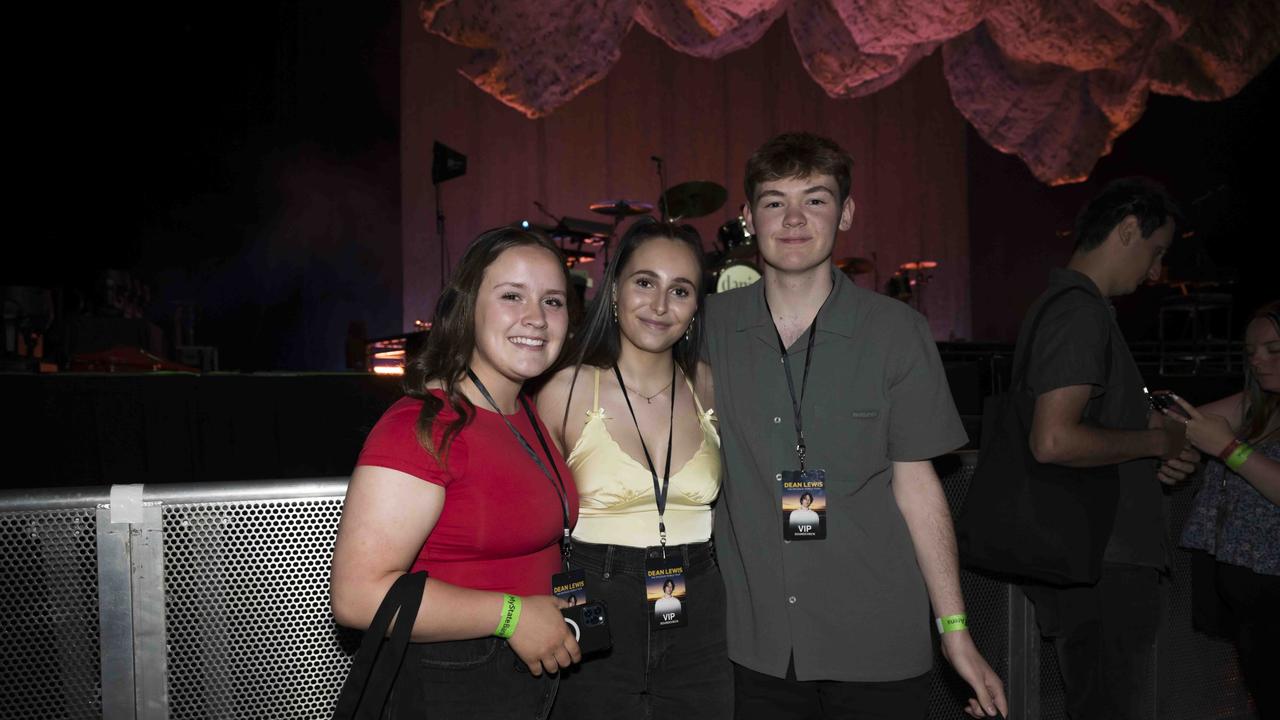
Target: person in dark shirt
<point>1080,367</point>
<point>824,386</point>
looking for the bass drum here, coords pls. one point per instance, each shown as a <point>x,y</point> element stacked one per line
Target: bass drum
<point>736,274</point>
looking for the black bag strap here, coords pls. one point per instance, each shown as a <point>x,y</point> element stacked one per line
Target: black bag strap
<point>377,663</point>
<point>1018,381</point>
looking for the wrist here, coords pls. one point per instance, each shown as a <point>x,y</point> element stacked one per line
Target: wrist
<point>509,616</point>
<point>952,623</point>
<point>1160,440</point>
<point>1235,454</point>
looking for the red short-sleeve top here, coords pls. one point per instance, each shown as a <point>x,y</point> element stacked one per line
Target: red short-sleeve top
<point>501,524</point>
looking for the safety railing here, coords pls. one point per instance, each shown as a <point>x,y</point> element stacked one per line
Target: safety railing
<point>211,601</point>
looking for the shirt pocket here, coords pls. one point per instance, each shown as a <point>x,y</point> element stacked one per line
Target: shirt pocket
<point>858,437</point>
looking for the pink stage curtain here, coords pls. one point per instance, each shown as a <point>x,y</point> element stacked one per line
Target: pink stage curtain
<point>1051,81</point>
<point>703,116</point>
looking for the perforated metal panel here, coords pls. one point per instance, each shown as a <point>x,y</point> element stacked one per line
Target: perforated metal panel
<point>49,658</point>
<point>249,629</point>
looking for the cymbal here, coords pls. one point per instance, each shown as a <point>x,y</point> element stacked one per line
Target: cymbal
<point>695,198</point>
<point>855,265</point>
<point>621,208</point>
<point>920,265</point>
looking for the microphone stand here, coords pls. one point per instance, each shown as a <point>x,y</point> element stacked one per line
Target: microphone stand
<point>662,189</point>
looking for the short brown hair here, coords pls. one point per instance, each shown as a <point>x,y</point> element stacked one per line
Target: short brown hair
<point>801,154</point>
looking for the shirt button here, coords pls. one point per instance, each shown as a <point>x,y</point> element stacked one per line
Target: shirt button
<point>792,599</point>
<point>777,420</point>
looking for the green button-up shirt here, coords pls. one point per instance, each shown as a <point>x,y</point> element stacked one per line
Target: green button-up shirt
<point>852,607</point>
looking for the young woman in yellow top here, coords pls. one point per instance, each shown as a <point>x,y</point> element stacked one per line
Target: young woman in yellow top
<point>632,413</point>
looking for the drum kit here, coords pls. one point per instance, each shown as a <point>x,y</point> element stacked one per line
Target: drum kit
<point>734,262</point>
<point>910,281</point>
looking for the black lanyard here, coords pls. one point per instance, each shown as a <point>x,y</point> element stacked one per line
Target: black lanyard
<point>557,483</point>
<point>659,494</point>
<point>804,381</point>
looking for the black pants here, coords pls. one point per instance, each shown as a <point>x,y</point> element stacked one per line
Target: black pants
<point>679,672</point>
<point>468,680</point>
<point>764,697</point>
<point>1105,637</point>
<point>1254,602</point>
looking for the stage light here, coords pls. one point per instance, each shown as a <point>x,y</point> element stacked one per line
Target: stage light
<point>446,163</point>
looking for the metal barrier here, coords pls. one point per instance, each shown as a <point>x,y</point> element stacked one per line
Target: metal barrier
<point>211,601</point>
<point>171,601</point>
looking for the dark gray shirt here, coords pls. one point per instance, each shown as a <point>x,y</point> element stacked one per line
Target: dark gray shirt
<point>852,607</point>
<point>1070,348</point>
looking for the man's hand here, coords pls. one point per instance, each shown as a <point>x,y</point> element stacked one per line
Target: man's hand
<point>1176,470</point>
<point>959,650</point>
<point>1175,435</point>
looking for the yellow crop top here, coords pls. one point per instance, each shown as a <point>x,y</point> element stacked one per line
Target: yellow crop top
<point>616,492</point>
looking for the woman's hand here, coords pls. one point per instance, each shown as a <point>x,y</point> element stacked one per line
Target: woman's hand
<point>1210,433</point>
<point>542,639</point>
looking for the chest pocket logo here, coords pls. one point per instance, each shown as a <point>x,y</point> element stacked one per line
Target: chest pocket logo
<point>865,414</point>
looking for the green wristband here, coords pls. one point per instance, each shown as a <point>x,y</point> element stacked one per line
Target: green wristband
<point>1238,456</point>
<point>510,616</point>
<point>952,623</point>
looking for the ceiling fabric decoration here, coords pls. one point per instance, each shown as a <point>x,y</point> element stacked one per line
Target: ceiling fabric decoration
<point>1054,82</point>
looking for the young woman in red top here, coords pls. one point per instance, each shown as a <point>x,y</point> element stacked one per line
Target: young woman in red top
<point>445,485</point>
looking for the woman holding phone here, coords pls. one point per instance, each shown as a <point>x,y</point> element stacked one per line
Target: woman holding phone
<point>1236,515</point>
<point>453,479</point>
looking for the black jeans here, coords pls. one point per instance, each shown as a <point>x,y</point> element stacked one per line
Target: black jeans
<point>679,672</point>
<point>468,679</point>
<point>1254,601</point>
<point>764,697</point>
<point>1105,636</point>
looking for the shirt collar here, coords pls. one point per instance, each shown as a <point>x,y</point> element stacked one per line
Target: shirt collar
<point>1066,277</point>
<point>836,314</point>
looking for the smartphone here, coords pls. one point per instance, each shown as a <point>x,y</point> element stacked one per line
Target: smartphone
<point>1162,401</point>
<point>590,625</point>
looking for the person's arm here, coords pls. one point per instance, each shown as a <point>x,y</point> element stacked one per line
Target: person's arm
<point>920,498</point>
<point>704,385</point>
<point>552,402</point>
<point>1212,433</point>
<point>386,518</point>
<point>1059,435</point>
<point>1229,407</point>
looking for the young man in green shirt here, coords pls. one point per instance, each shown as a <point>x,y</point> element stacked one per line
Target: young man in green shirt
<point>832,391</point>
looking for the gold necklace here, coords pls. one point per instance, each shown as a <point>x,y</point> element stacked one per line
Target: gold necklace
<point>648,399</point>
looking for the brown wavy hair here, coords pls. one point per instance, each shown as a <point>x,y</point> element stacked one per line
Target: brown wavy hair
<point>1258,406</point>
<point>452,338</point>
